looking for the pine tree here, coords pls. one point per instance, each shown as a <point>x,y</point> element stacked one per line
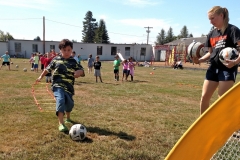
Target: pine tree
<point>191,35</point>
<point>37,38</point>
<point>184,32</point>
<point>161,37</point>
<point>89,28</point>
<point>170,36</point>
<point>101,33</point>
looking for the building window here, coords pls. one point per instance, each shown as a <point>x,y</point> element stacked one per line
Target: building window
<point>127,51</point>
<point>52,47</point>
<point>143,52</point>
<point>17,47</point>
<point>99,50</point>
<point>35,48</point>
<point>113,50</point>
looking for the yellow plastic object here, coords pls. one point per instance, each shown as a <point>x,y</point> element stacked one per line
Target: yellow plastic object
<point>211,130</point>
<point>171,57</point>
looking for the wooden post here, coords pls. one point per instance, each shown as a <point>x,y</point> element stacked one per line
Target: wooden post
<point>43,34</point>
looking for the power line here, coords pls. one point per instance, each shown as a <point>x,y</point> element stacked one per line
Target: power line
<point>64,23</point>
<point>82,27</point>
<point>125,34</point>
<point>69,25</point>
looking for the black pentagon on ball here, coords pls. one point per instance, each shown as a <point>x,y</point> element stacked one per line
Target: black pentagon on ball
<point>221,57</point>
<point>234,55</point>
<point>74,132</point>
<point>82,135</point>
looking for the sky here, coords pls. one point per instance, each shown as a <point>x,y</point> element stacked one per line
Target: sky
<point>125,19</point>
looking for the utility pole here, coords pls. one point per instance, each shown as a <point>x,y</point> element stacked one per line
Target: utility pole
<point>43,34</point>
<point>148,31</point>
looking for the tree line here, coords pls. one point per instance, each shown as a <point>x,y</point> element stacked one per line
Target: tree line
<point>164,37</point>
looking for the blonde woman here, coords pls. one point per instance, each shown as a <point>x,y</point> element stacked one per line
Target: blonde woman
<point>218,74</point>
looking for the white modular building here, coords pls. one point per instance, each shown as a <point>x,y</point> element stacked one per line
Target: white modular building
<point>25,48</point>
<point>3,47</point>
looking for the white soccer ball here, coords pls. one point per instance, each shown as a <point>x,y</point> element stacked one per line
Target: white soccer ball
<point>78,132</point>
<point>153,68</point>
<point>25,69</point>
<point>16,66</point>
<point>228,53</point>
<point>32,69</point>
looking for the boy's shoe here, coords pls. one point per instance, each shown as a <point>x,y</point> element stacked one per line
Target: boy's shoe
<point>62,128</point>
<point>68,121</point>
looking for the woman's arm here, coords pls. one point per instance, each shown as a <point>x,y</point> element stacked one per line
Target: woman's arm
<point>203,58</point>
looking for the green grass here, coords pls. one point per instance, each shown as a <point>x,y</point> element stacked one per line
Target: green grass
<point>139,120</point>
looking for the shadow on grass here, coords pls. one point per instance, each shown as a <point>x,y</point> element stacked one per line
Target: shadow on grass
<point>138,81</point>
<point>112,83</point>
<point>85,140</point>
<point>80,83</point>
<point>100,131</point>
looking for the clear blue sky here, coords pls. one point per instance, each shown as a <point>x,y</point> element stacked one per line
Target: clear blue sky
<point>125,19</point>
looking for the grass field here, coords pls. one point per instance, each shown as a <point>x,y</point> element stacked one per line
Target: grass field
<point>139,120</point>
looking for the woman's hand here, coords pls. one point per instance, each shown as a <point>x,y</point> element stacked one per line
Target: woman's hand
<point>230,63</point>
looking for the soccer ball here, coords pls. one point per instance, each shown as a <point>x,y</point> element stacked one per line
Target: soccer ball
<point>153,68</point>
<point>78,132</point>
<point>25,69</point>
<point>228,53</point>
<point>11,62</point>
<point>32,69</point>
<point>16,66</point>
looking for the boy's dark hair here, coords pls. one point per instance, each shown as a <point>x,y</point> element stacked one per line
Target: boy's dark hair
<point>64,43</point>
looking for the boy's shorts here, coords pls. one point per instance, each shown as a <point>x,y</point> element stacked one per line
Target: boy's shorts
<point>97,72</point>
<point>216,74</point>
<point>35,66</point>
<point>42,66</point>
<point>7,63</point>
<point>116,71</point>
<point>64,100</point>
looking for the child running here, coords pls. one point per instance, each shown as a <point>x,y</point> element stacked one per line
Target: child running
<point>97,66</point>
<point>66,69</point>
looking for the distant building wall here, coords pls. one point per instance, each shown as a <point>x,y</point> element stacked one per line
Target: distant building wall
<point>140,52</point>
<point>3,48</point>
